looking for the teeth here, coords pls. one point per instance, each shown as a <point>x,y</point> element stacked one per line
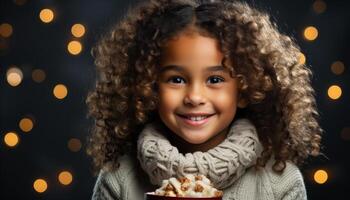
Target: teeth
<point>197,118</point>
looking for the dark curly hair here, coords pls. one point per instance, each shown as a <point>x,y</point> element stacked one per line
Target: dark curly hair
<point>276,85</point>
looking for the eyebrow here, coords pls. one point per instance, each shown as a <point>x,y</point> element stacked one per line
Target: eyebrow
<point>181,69</point>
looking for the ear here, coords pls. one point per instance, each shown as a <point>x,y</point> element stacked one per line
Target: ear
<point>242,102</point>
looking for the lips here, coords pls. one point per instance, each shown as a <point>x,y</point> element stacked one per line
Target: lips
<point>195,121</point>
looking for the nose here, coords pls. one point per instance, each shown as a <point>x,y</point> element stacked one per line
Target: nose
<point>194,95</point>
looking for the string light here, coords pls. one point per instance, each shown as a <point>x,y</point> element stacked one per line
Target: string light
<point>26,124</point>
<point>65,178</point>
<point>319,6</point>
<point>78,30</point>
<point>38,75</point>
<point>14,76</point>
<point>320,176</point>
<point>334,92</point>
<point>40,185</point>
<point>11,139</point>
<point>46,15</point>
<point>337,67</point>
<point>310,33</point>
<point>60,91</point>
<point>74,144</point>
<point>6,30</point>
<point>302,59</point>
<point>74,47</point>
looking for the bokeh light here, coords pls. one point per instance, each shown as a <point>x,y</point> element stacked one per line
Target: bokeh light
<point>337,67</point>
<point>74,47</point>
<point>334,92</point>
<point>302,58</point>
<point>20,2</point>
<point>65,177</point>
<point>319,6</point>
<point>26,124</point>
<point>320,176</point>
<point>78,30</point>
<point>14,76</point>
<point>6,30</point>
<point>11,139</point>
<point>310,33</point>
<point>38,75</point>
<point>74,144</point>
<point>60,91</point>
<point>345,133</point>
<point>46,15</point>
<point>40,185</point>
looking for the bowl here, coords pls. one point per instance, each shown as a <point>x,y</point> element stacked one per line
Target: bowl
<point>152,196</point>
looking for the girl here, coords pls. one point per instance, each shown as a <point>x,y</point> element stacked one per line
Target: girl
<point>201,87</point>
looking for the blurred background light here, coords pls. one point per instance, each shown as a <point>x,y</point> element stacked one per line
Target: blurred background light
<point>78,30</point>
<point>334,92</point>
<point>65,178</point>
<point>46,15</point>
<point>60,91</point>
<point>320,176</point>
<point>310,33</point>
<point>345,133</point>
<point>40,185</point>
<point>6,30</point>
<point>20,2</point>
<point>26,124</point>
<point>14,76</point>
<point>302,58</point>
<point>319,6</point>
<point>11,139</point>
<point>38,75</point>
<point>74,144</point>
<point>74,47</point>
<point>337,67</point>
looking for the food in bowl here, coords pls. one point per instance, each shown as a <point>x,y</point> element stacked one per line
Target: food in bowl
<point>189,186</point>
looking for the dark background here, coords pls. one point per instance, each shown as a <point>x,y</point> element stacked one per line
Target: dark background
<point>43,152</point>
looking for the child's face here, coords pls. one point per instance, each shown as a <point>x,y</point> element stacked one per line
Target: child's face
<point>192,81</point>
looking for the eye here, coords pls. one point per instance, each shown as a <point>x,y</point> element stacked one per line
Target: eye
<point>175,79</point>
<point>216,79</point>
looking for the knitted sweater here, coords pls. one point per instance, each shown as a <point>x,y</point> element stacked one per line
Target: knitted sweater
<point>129,182</point>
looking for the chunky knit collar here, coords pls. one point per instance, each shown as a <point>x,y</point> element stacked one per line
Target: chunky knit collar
<point>222,164</point>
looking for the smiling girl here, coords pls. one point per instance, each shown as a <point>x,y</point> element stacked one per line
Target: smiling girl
<point>201,87</point>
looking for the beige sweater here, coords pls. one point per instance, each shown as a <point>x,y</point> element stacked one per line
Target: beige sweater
<point>129,182</point>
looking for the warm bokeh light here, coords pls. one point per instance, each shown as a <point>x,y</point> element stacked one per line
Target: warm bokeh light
<point>78,30</point>
<point>74,47</point>
<point>14,76</point>
<point>11,139</point>
<point>26,124</point>
<point>40,185</point>
<point>65,178</point>
<point>337,67</point>
<point>320,176</point>
<point>302,58</point>
<point>6,30</point>
<point>310,33</point>
<point>74,144</point>
<point>319,6</point>
<point>3,43</point>
<point>345,133</point>
<point>46,15</point>
<point>38,75</point>
<point>334,92</point>
<point>60,91</point>
<point>20,2</point>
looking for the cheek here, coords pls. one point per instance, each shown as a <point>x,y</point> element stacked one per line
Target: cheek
<point>168,100</point>
<point>226,100</point>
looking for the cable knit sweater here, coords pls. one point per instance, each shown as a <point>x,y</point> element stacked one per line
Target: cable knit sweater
<point>130,182</point>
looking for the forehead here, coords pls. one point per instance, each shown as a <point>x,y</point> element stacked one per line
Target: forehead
<point>191,49</point>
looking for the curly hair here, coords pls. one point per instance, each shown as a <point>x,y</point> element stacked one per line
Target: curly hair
<point>275,84</point>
